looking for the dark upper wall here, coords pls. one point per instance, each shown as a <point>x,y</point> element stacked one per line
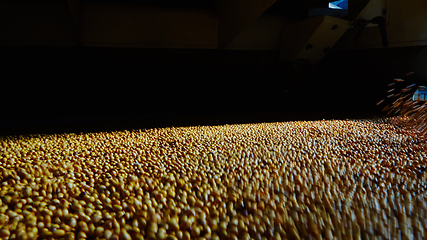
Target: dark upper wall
<point>69,82</point>
<point>192,24</point>
<point>110,77</point>
<point>90,89</point>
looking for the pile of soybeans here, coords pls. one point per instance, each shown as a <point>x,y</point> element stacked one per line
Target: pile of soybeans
<point>335,179</point>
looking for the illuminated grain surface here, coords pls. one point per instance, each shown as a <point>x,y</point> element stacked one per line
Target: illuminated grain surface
<point>286,180</point>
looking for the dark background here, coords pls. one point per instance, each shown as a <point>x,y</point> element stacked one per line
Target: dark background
<point>48,89</point>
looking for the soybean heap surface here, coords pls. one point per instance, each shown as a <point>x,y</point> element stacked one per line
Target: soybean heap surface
<point>335,179</point>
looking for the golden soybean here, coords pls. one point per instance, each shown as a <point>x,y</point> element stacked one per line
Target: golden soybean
<point>322,179</point>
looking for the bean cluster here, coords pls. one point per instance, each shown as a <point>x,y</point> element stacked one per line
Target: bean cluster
<point>407,110</point>
<point>335,179</point>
